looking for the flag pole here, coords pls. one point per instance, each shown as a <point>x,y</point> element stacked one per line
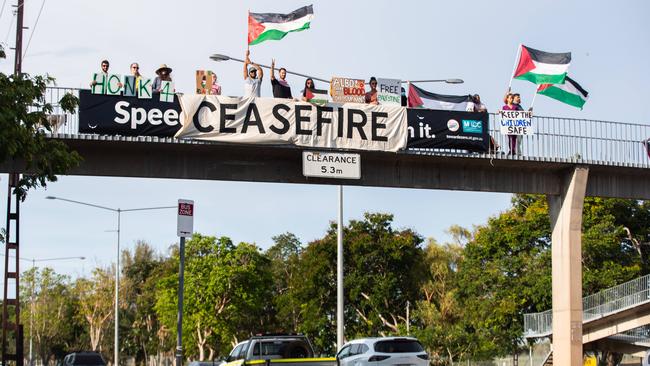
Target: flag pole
<point>514,67</point>
<point>408,90</point>
<point>534,96</point>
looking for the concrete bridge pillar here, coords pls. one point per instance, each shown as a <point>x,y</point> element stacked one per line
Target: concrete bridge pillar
<point>566,222</point>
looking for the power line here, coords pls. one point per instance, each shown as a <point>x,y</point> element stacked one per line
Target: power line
<point>3,8</point>
<point>34,28</point>
<point>9,31</point>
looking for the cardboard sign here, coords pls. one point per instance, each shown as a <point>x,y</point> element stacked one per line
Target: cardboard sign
<point>129,86</point>
<point>516,123</point>
<point>114,84</point>
<point>100,83</point>
<point>205,79</point>
<point>167,91</point>
<point>145,90</point>
<point>345,90</point>
<point>389,91</point>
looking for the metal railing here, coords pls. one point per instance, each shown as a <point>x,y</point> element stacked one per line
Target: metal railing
<point>555,140</point>
<point>609,301</point>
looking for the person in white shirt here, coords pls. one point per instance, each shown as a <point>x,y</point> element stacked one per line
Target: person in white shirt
<point>252,77</point>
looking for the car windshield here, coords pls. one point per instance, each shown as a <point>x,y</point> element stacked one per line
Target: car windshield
<point>281,348</point>
<point>81,359</point>
<point>398,346</point>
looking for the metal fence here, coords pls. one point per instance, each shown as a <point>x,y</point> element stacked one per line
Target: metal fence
<point>555,140</point>
<point>624,296</point>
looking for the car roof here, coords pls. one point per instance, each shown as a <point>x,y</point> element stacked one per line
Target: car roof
<point>372,340</point>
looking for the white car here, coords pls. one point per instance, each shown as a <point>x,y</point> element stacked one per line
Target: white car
<point>400,351</point>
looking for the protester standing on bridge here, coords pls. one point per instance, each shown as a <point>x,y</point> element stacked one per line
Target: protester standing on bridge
<point>478,105</point>
<point>509,106</point>
<point>164,74</point>
<point>308,91</point>
<point>215,88</point>
<point>252,78</point>
<point>104,71</point>
<point>371,96</point>
<point>516,100</point>
<point>281,88</point>
<point>135,71</point>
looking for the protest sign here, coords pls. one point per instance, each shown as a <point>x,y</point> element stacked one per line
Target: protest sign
<point>129,86</point>
<point>166,91</point>
<point>99,83</point>
<point>389,91</point>
<point>114,85</point>
<point>145,89</point>
<point>516,123</point>
<point>345,90</point>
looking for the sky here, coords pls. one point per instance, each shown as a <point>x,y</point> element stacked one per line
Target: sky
<point>473,40</point>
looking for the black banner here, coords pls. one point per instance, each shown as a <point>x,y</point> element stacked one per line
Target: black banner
<point>128,116</point>
<point>437,129</point>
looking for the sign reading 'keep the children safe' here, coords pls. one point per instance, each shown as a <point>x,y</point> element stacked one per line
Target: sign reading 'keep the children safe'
<point>516,123</point>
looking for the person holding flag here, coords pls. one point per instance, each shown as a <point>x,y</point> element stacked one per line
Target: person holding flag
<point>252,77</point>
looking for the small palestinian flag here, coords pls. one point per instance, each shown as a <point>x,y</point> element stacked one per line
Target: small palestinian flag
<point>570,92</point>
<point>317,96</point>
<point>541,67</point>
<point>271,26</point>
<point>420,98</point>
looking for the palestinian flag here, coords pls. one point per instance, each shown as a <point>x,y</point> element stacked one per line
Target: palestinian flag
<point>542,67</point>
<point>419,98</point>
<point>271,26</point>
<point>317,96</point>
<point>570,92</point>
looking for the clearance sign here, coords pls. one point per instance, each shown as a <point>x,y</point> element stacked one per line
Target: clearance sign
<point>282,121</point>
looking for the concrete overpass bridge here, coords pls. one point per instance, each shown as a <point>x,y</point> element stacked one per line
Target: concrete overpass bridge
<point>614,319</point>
<point>567,159</point>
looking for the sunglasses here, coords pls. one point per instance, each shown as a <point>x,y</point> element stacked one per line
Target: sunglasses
<point>104,65</point>
<point>135,67</point>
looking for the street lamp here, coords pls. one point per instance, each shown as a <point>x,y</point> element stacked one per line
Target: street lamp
<point>217,57</point>
<point>31,313</point>
<point>117,266</point>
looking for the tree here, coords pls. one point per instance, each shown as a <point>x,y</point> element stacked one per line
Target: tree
<point>51,307</point>
<point>440,319</point>
<point>23,122</point>
<point>382,270</point>
<point>95,298</point>
<point>506,268</point>
<point>226,287</point>
<point>285,256</point>
<point>139,323</point>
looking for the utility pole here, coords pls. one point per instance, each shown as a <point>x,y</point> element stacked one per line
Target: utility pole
<point>14,353</point>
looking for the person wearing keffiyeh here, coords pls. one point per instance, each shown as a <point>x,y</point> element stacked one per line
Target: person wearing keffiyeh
<point>281,88</point>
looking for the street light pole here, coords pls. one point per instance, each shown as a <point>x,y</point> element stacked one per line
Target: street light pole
<point>119,211</point>
<point>219,57</point>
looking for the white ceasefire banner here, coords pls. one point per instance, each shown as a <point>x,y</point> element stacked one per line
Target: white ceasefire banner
<point>389,91</point>
<point>516,123</point>
<point>281,121</point>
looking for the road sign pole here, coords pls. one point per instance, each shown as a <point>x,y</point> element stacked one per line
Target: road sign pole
<point>184,228</point>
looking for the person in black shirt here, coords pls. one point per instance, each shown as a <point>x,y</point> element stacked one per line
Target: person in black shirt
<point>281,88</point>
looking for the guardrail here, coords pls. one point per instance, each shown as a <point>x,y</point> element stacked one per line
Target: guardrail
<point>579,141</point>
<point>598,305</point>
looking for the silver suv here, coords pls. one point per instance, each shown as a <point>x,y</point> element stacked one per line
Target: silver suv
<point>383,352</point>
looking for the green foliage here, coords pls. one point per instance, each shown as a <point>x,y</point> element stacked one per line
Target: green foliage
<point>23,121</point>
<point>285,258</point>
<point>382,272</point>
<point>226,287</point>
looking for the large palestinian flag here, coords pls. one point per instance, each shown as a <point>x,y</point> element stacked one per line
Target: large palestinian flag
<point>271,26</point>
<point>570,92</point>
<point>420,98</point>
<point>542,67</point>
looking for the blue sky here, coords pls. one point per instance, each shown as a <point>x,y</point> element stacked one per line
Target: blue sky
<point>473,40</point>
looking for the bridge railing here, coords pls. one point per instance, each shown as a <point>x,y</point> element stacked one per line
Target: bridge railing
<point>555,140</point>
<point>598,305</point>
